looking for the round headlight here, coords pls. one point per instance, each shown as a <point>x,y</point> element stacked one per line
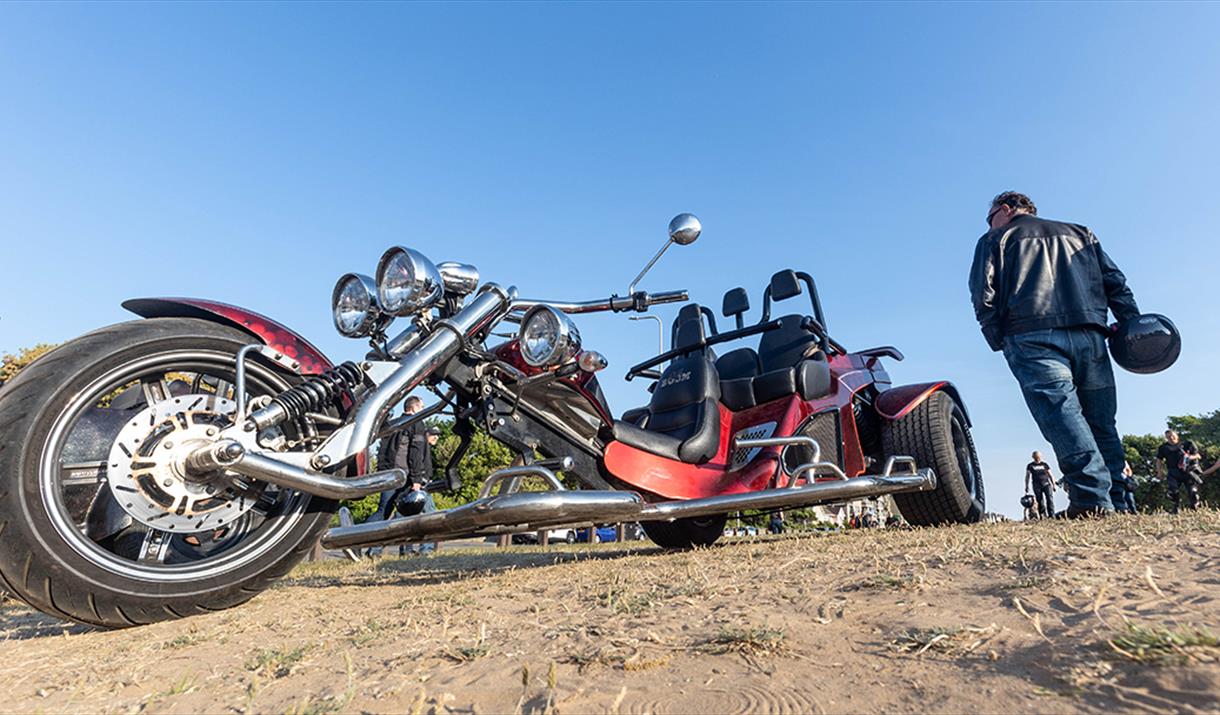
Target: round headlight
<point>407,282</point>
<point>354,303</point>
<point>548,337</point>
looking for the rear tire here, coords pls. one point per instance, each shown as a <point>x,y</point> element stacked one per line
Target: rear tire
<point>936,435</point>
<point>63,573</point>
<point>686,533</point>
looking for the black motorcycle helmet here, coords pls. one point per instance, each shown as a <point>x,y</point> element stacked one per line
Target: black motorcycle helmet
<point>410,502</point>
<point>1146,343</point>
<point>1027,501</point>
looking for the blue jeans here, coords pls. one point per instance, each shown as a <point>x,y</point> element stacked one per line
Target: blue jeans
<point>1068,384</point>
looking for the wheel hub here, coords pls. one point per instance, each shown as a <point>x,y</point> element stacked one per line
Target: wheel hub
<point>147,474</point>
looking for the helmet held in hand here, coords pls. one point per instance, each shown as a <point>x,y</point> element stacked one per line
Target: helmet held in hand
<point>1146,343</point>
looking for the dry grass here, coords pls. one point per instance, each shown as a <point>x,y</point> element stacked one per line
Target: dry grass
<point>751,641</point>
<point>895,620</point>
<point>952,641</point>
<point>1166,646</point>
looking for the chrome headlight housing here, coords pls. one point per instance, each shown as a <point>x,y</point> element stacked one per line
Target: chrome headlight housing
<point>407,282</point>
<point>354,305</point>
<point>459,278</point>
<point>547,337</point>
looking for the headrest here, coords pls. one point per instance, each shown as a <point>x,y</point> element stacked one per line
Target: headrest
<point>785,285</point>
<point>688,328</point>
<point>736,302</point>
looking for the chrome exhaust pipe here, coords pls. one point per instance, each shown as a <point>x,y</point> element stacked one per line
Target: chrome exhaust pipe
<point>791,497</point>
<point>522,511</point>
<point>230,454</point>
<point>534,511</point>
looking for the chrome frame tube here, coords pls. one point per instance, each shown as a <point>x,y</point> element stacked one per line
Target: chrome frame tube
<point>441,345</point>
<point>231,455</point>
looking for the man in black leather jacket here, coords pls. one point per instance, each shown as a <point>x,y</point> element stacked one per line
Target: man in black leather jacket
<point>1041,291</point>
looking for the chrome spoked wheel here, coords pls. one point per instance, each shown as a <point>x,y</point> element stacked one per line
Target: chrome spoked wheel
<point>108,484</point>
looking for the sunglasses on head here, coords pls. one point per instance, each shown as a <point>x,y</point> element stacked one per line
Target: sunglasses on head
<point>992,214</point>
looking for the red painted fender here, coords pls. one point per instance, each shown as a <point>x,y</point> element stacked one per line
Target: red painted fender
<point>896,402</point>
<point>273,334</point>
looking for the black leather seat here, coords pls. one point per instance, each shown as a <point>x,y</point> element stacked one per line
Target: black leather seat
<point>683,418</point>
<point>737,371</point>
<point>791,362</point>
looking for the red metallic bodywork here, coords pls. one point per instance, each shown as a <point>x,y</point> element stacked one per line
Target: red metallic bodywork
<point>898,402</point>
<point>677,480</point>
<point>583,383</point>
<point>273,334</point>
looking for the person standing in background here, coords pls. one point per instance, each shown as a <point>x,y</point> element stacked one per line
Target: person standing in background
<point>1127,504</point>
<point>1169,467</point>
<point>393,453</point>
<point>1039,474</point>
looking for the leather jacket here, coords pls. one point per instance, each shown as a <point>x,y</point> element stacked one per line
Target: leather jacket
<point>1034,273</point>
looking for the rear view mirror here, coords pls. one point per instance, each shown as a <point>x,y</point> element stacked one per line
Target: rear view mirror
<point>683,230</point>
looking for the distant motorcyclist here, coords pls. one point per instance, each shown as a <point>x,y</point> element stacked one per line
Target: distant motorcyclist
<point>1041,291</point>
<point>1038,473</point>
<point>1169,466</point>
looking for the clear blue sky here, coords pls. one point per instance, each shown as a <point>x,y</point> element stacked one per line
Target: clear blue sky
<point>252,153</point>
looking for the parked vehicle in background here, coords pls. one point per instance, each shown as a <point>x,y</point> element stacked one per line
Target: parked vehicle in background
<point>606,533</point>
<point>567,536</point>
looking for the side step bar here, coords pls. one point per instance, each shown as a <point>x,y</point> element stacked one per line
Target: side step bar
<point>534,511</point>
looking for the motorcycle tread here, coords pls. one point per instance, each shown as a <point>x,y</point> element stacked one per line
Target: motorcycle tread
<point>925,434</point>
<point>33,580</point>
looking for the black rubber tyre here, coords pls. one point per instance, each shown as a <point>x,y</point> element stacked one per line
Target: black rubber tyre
<point>570,537</point>
<point>40,566</point>
<point>935,433</point>
<point>686,533</point>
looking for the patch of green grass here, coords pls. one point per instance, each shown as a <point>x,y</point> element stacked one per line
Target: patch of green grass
<point>888,582</point>
<point>370,630</point>
<point>752,641</point>
<point>183,685</point>
<point>465,654</point>
<point>276,663</point>
<point>187,639</point>
<point>1028,582</point>
<point>1166,646</point>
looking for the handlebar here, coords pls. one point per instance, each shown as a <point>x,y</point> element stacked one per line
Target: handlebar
<point>638,301</point>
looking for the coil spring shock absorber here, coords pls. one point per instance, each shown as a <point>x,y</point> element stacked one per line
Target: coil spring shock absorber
<point>316,393</point>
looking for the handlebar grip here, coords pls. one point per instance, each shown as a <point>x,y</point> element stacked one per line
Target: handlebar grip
<point>669,296</point>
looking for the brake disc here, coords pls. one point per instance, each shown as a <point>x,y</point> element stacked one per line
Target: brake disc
<point>146,470</point>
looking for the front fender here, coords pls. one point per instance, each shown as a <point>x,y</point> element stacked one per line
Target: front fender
<point>276,336</point>
<point>896,402</point>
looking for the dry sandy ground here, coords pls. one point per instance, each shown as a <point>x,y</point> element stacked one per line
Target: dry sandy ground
<point>1117,615</point>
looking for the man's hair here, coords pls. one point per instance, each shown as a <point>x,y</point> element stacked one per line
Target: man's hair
<point>1171,433</point>
<point>413,403</point>
<point>1035,454</point>
<point>1016,202</point>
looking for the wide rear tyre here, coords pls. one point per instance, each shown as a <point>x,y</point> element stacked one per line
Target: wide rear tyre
<point>686,533</point>
<point>68,549</point>
<point>936,435</point>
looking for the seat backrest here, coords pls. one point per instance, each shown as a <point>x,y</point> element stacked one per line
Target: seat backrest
<point>688,330</point>
<point>742,362</point>
<point>680,405</point>
<point>786,345</point>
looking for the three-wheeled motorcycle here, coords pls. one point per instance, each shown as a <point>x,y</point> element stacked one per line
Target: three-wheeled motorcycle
<point>180,463</point>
